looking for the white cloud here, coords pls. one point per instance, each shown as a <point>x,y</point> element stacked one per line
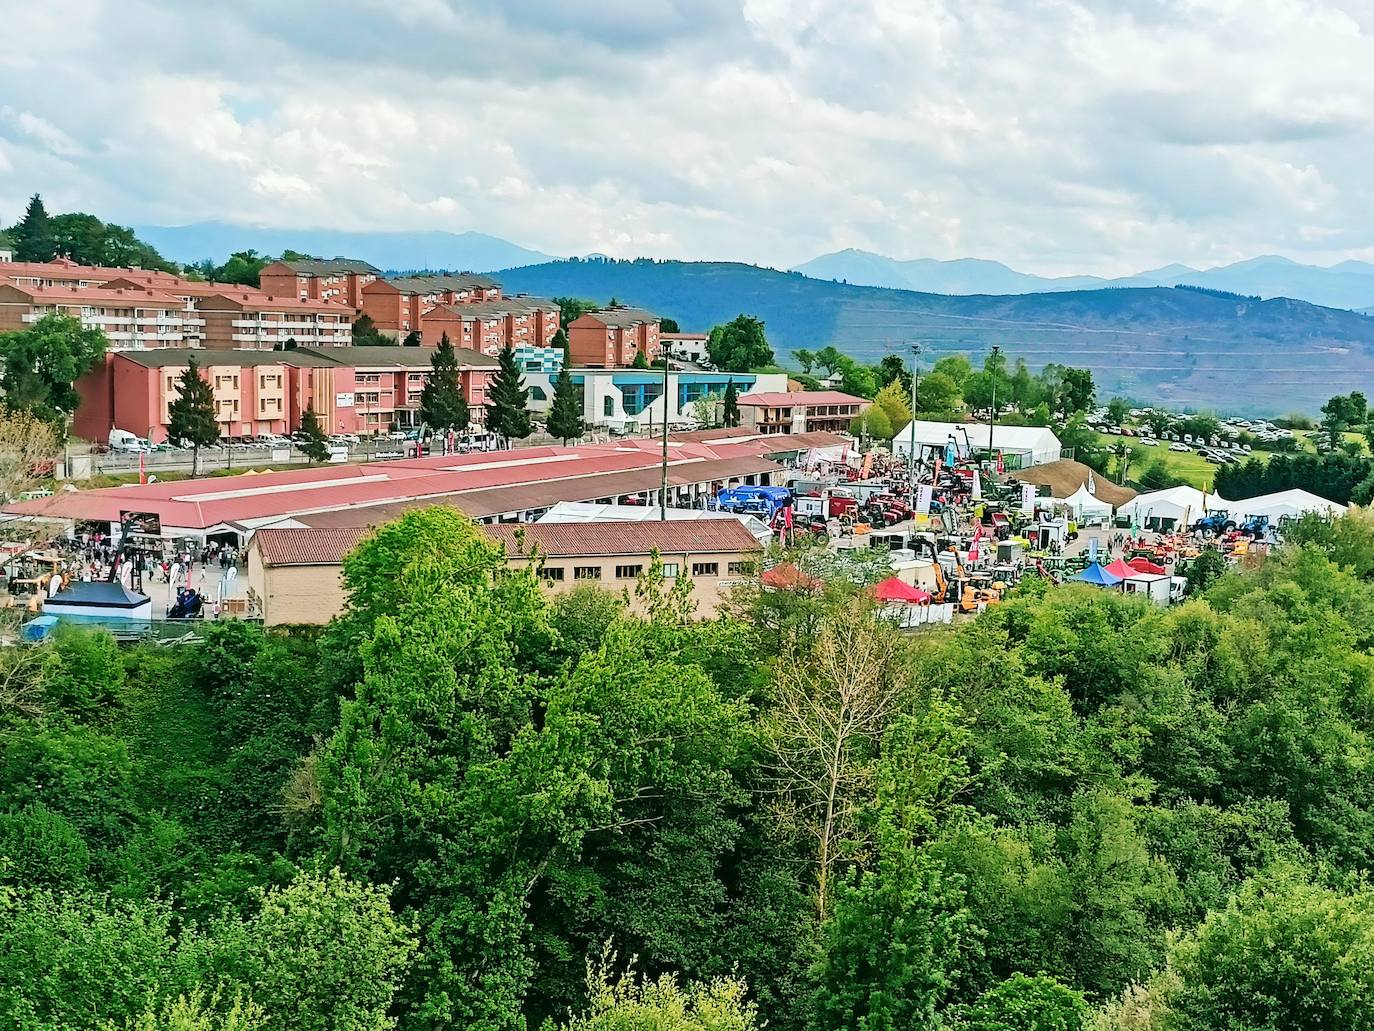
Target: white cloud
<point>1056,135</point>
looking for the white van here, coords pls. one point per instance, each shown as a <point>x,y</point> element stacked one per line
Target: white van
<point>123,440</point>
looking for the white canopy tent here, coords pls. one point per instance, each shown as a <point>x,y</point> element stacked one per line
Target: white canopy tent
<point>1021,446</point>
<point>1086,508</point>
<point>1287,503</point>
<point>1174,508</point>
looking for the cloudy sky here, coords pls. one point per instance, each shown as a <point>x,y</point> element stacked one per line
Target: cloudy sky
<point>1056,135</point>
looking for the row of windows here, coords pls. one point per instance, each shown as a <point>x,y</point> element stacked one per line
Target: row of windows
<point>633,571</point>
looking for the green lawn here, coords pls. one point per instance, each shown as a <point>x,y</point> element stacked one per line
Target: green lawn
<point>1188,466</point>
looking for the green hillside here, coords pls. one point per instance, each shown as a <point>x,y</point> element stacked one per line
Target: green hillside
<point>1180,346</point>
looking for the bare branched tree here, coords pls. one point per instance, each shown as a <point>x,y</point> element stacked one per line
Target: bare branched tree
<point>28,449</point>
<point>832,701</point>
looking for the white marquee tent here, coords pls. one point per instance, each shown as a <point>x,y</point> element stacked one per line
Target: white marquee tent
<point>1086,508</point>
<point>1021,446</point>
<point>1174,508</point>
<point>1286,503</point>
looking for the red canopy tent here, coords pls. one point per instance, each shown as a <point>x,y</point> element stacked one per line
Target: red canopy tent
<point>894,589</point>
<point>1144,565</point>
<point>787,577</point>
<point>1119,568</point>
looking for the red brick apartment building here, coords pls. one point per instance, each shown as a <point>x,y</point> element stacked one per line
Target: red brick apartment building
<point>331,279</point>
<point>353,389</point>
<point>137,308</point>
<point>488,326</point>
<point>129,317</point>
<point>612,337</point>
<point>396,305</point>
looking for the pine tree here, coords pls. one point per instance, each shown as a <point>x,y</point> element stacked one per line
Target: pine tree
<point>412,339</point>
<point>640,361</point>
<point>442,404</point>
<point>560,340</point>
<point>565,414</point>
<point>191,416</point>
<point>315,446</point>
<point>730,406</point>
<point>508,400</point>
<point>35,239</point>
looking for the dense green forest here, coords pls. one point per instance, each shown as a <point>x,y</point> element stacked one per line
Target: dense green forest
<point>463,805</point>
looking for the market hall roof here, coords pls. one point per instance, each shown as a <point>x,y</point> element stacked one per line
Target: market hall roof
<point>533,477</point>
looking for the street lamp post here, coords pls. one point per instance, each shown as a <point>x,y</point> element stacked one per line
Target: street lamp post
<point>663,489</point>
<point>992,421</point>
<point>911,444</point>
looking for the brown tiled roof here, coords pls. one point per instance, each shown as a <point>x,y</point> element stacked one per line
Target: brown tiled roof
<point>307,547</point>
<point>1066,476</point>
<point>617,537</point>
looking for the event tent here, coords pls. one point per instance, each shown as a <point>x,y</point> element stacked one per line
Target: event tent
<point>895,589</point>
<point>1286,503</point>
<point>1174,508</point>
<point>1120,570</point>
<point>1095,574</point>
<point>1020,446</point>
<point>1086,508</point>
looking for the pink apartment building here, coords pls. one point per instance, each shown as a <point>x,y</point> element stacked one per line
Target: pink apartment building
<point>363,390</point>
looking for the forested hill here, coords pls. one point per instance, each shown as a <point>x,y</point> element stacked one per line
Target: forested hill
<point>1179,345</point>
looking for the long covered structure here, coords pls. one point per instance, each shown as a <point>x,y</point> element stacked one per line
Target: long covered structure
<point>508,486</point>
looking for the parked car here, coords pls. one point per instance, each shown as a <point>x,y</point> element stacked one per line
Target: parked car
<point>1179,447</point>
<point>1148,442</point>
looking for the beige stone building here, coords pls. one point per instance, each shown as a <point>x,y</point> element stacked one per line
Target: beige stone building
<point>716,554</point>
<point>295,575</point>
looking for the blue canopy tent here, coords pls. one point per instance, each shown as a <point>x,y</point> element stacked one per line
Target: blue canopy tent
<point>1096,574</point>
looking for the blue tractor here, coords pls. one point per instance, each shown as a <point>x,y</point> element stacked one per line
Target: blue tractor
<point>1215,522</point>
<point>764,502</point>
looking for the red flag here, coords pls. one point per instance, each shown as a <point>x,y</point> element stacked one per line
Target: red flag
<point>973,547</point>
<point>999,461</point>
<point>142,473</point>
<point>935,477</point>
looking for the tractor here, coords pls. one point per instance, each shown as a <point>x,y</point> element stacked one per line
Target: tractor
<point>1215,522</point>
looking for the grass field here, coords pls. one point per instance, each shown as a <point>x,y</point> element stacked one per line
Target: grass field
<point>1188,466</point>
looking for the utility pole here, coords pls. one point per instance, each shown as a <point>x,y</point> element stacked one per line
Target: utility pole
<point>663,490</point>
<point>992,422</point>
<point>911,444</point>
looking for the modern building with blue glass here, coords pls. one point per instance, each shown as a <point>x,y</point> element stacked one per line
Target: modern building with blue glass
<point>628,399</point>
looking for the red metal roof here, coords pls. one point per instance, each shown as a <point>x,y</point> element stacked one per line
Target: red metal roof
<point>200,504</point>
<point>792,398</point>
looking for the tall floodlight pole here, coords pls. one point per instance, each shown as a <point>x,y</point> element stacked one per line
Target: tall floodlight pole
<point>992,422</point>
<point>663,490</point>
<point>911,444</point>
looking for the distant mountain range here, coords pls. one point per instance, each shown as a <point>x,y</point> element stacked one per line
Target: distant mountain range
<point>1186,347</point>
<point>1347,285</point>
<point>401,251</point>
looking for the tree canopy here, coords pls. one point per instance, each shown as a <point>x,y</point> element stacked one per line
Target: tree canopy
<point>473,802</point>
<point>739,345</point>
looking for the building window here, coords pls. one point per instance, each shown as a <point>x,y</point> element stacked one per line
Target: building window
<point>586,572</point>
<point>608,406</point>
<point>705,568</point>
<point>537,392</point>
<point>551,573</point>
<point>740,568</point>
<point>628,572</point>
<point>670,569</point>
